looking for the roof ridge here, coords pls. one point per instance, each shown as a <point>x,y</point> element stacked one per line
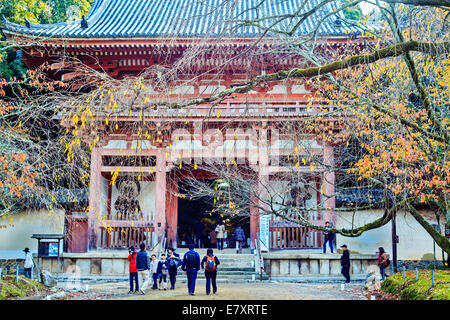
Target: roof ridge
<point>184,18</point>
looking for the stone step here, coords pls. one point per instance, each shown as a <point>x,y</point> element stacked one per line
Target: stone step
<point>230,273</point>
<point>236,265</point>
<point>180,278</point>
<point>231,257</point>
<point>243,269</point>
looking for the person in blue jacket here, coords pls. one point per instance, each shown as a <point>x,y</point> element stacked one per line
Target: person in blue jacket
<point>190,266</point>
<point>174,261</point>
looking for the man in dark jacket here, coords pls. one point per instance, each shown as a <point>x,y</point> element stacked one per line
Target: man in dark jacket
<point>198,228</point>
<point>174,261</point>
<point>191,265</point>
<point>328,237</point>
<point>210,270</point>
<point>239,235</point>
<point>345,263</point>
<point>143,267</point>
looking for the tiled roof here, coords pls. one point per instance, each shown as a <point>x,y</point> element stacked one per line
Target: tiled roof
<point>184,18</point>
<point>60,196</point>
<point>353,197</point>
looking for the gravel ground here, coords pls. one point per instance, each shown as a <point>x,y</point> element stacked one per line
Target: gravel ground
<point>227,291</point>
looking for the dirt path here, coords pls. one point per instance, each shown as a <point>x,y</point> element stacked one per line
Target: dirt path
<point>229,291</point>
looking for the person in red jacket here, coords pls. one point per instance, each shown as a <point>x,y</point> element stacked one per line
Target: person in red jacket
<point>133,270</point>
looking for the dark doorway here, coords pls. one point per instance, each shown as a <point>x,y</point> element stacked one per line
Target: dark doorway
<point>192,211</point>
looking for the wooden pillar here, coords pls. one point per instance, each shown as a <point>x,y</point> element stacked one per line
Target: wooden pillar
<point>328,184</point>
<point>261,221</point>
<point>254,216</point>
<point>172,212</point>
<point>160,206</point>
<point>94,199</point>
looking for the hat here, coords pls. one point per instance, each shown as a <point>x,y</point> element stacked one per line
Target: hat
<point>344,246</point>
<point>131,248</point>
<point>26,250</point>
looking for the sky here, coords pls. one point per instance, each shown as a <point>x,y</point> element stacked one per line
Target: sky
<point>366,7</point>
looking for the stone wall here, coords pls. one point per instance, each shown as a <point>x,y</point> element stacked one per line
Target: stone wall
<point>421,264</point>
<point>314,264</point>
<point>90,264</point>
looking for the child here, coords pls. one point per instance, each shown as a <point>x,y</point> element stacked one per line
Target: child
<point>133,270</point>
<point>154,271</point>
<point>163,268</point>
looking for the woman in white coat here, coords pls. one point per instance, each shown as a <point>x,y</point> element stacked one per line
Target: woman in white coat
<point>29,263</point>
<point>220,229</point>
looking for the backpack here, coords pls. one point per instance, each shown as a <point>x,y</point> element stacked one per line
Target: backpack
<point>210,263</point>
<point>191,259</point>
<point>173,263</point>
<point>164,267</point>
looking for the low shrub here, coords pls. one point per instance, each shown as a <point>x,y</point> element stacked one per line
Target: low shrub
<point>409,288</point>
<point>9,288</point>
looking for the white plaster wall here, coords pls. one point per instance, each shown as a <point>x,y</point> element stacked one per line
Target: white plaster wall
<point>144,144</point>
<point>299,89</point>
<point>210,89</point>
<point>15,233</point>
<point>146,199</point>
<point>116,144</point>
<point>278,88</point>
<point>289,144</point>
<point>183,90</point>
<point>104,196</point>
<point>414,242</point>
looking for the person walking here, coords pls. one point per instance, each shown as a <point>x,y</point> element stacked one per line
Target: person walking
<point>163,267</point>
<point>328,237</point>
<point>213,238</point>
<point>174,260</point>
<point>383,262</point>
<point>143,267</point>
<point>190,239</point>
<point>345,263</point>
<point>28,264</point>
<point>134,279</point>
<point>220,229</point>
<point>190,266</point>
<point>198,231</point>
<point>154,271</point>
<point>209,264</point>
<point>239,236</point>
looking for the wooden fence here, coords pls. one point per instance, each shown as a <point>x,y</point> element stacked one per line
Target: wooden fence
<point>123,237</point>
<point>295,237</point>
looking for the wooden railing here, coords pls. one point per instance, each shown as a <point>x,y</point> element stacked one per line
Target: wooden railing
<point>123,237</point>
<point>237,108</point>
<point>295,237</point>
